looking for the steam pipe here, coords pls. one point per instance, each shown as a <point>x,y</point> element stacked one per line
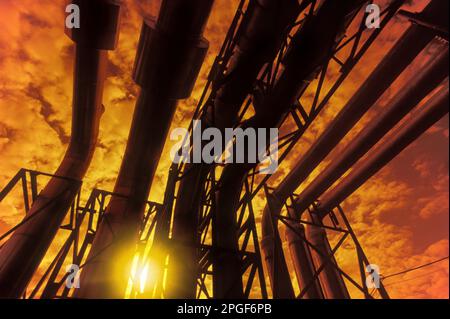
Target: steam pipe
<point>302,63</point>
<point>259,37</point>
<point>170,54</point>
<point>398,58</point>
<point>22,253</point>
<point>429,114</point>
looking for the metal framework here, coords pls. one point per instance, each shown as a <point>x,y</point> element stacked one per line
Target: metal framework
<point>78,231</point>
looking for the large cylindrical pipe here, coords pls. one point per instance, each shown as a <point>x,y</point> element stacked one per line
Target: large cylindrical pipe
<point>331,280</point>
<point>260,35</point>
<point>429,114</point>
<point>22,253</point>
<point>398,58</point>
<point>170,54</point>
<point>308,51</point>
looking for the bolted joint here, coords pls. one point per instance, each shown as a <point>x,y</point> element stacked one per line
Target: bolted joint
<point>99,24</point>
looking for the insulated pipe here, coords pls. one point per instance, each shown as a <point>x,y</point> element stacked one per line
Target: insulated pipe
<point>22,253</point>
<point>429,114</point>
<point>399,57</point>
<point>407,98</point>
<point>330,278</point>
<point>170,54</point>
<point>309,49</point>
<point>259,37</point>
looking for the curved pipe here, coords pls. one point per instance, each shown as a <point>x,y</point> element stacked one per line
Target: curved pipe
<point>399,57</point>
<point>23,252</point>
<point>308,51</point>
<point>434,109</point>
<point>259,37</point>
<point>170,54</point>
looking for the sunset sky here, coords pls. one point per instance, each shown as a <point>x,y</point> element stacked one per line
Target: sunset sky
<point>400,215</point>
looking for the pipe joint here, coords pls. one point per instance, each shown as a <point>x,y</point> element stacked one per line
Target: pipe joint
<point>99,24</point>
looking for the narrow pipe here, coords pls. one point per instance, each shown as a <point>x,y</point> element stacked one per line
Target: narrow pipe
<point>433,111</point>
<point>22,253</point>
<point>170,54</point>
<point>399,57</point>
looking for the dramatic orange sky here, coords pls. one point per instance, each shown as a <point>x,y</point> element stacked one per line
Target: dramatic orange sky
<point>400,215</point>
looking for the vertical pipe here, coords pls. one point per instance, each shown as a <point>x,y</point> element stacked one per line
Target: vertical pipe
<point>23,252</point>
<point>280,280</point>
<point>170,54</point>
